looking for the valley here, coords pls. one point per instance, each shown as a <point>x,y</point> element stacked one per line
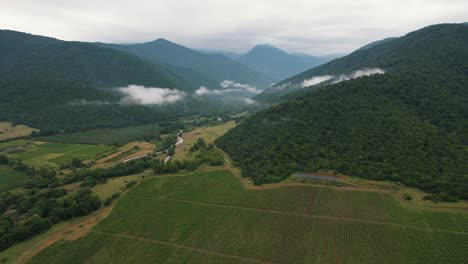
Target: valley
<point>233,132</point>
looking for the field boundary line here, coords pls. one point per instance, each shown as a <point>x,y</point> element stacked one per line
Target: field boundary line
<point>345,219</point>
<point>183,247</point>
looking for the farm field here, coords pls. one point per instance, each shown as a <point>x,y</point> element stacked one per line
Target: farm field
<point>51,155</point>
<point>14,143</point>
<point>208,217</point>
<point>8,131</point>
<point>114,185</point>
<point>119,136</point>
<point>127,151</point>
<point>209,134</point>
<point>10,179</point>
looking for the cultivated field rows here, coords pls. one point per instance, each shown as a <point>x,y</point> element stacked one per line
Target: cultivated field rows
<point>208,218</point>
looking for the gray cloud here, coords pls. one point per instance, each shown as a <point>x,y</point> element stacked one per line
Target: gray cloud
<point>316,27</point>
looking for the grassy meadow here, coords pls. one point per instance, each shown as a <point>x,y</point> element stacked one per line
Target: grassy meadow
<point>10,179</point>
<point>208,217</point>
<point>9,131</point>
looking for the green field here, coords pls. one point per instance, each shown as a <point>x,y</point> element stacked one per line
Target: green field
<point>53,154</point>
<point>10,179</point>
<point>14,143</point>
<point>208,217</point>
<point>106,136</point>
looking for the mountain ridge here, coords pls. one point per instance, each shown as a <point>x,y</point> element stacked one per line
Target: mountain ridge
<point>214,66</point>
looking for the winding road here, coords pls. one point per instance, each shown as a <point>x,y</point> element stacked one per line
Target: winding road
<point>179,141</point>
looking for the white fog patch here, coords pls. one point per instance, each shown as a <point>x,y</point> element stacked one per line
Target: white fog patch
<point>239,86</point>
<point>84,102</point>
<point>205,91</point>
<point>316,80</point>
<point>229,87</point>
<point>337,78</point>
<point>249,101</point>
<point>202,91</point>
<point>359,73</point>
<point>137,94</point>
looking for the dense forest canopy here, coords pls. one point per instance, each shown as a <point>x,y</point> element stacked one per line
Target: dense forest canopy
<point>58,85</point>
<point>439,44</point>
<point>409,124</point>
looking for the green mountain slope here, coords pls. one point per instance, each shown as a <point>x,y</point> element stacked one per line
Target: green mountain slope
<point>214,66</point>
<point>40,76</point>
<point>378,42</point>
<point>389,55</point>
<point>409,124</point>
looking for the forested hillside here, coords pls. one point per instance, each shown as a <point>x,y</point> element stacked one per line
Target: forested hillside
<point>58,85</point>
<point>408,125</point>
<point>434,44</point>
<point>208,66</point>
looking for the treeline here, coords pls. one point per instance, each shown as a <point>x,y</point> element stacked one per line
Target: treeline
<point>31,212</point>
<point>90,177</point>
<point>40,205</point>
<point>206,154</point>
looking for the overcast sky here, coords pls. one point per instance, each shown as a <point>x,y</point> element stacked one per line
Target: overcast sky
<point>316,27</point>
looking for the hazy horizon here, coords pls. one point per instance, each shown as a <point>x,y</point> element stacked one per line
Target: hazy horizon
<point>298,26</point>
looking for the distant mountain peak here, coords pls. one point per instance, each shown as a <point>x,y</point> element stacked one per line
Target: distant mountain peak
<point>267,48</point>
<point>278,63</point>
<point>161,41</point>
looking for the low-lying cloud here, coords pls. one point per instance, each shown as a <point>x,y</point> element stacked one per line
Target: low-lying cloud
<point>359,73</point>
<point>229,87</point>
<point>141,95</point>
<point>316,80</point>
<point>202,91</point>
<point>228,84</point>
<point>249,101</point>
<point>343,77</point>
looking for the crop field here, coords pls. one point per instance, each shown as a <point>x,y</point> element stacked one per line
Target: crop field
<point>114,185</point>
<point>119,136</point>
<point>10,179</point>
<point>53,154</point>
<point>14,143</point>
<point>208,217</point>
<point>8,131</point>
<point>209,134</point>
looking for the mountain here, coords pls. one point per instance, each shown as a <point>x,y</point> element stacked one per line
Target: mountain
<point>275,62</point>
<point>230,54</point>
<point>378,42</point>
<point>408,125</point>
<point>52,84</point>
<point>311,60</point>
<point>213,66</point>
<point>385,54</point>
